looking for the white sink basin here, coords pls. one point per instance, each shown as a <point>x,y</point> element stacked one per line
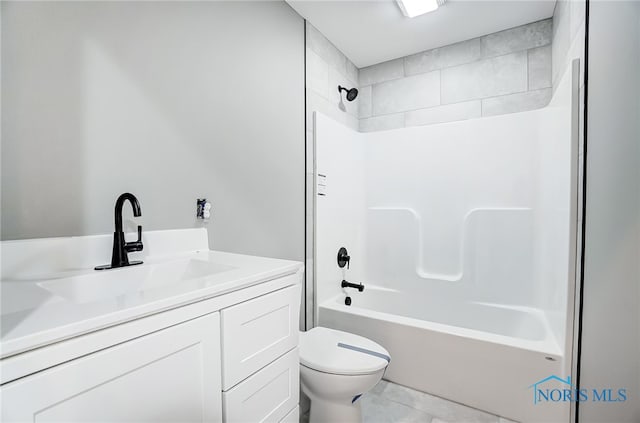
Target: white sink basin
<point>105,284</point>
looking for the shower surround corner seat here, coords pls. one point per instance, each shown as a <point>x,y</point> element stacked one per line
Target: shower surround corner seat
<point>191,334</point>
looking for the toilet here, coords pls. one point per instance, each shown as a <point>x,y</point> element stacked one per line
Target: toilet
<point>336,369</point>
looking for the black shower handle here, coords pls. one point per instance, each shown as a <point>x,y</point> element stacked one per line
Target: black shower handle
<point>343,258</point>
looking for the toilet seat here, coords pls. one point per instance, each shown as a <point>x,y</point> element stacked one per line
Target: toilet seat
<point>336,352</point>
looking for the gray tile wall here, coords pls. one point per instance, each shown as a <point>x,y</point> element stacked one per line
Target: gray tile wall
<point>506,72</point>
<point>568,37</point>
<point>327,68</point>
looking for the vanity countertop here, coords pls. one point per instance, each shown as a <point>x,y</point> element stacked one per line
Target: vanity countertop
<point>50,298</point>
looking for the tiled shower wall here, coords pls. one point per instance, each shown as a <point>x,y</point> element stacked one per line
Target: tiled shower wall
<point>568,37</point>
<point>326,68</point>
<point>505,72</point>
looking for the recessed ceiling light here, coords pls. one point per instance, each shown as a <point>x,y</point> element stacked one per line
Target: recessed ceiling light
<point>413,8</point>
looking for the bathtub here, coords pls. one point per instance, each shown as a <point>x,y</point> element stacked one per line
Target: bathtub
<point>479,354</point>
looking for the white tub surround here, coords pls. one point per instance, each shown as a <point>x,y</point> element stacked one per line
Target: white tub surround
<point>464,235</point>
<point>190,334</point>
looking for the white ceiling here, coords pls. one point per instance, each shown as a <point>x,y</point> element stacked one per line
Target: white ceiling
<point>370,32</point>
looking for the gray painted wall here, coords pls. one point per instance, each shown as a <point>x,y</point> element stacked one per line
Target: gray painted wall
<point>611,310</point>
<point>168,100</point>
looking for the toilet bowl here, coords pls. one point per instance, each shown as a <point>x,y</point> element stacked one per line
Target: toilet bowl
<point>336,369</point>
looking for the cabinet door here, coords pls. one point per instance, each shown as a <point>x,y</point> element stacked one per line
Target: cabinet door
<point>172,375</point>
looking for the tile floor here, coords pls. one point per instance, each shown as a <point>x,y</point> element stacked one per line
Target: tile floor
<point>392,403</point>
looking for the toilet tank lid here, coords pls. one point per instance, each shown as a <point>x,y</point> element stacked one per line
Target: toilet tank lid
<point>333,351</point>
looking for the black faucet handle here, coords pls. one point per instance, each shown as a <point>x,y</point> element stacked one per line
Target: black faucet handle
<point>343,258</point>
<point>136,245</point>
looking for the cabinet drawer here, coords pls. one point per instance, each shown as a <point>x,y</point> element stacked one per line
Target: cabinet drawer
<point>258,331</point>
<point>293,416</point>
<point>267,396</point>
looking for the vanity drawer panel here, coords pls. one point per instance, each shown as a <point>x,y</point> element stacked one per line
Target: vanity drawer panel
<point>256,332</point>
<point>267,396</point>
<point>293,416</point>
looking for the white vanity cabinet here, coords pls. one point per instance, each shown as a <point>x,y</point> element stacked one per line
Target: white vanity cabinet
<point>221,348</point>
<point>175,374</point>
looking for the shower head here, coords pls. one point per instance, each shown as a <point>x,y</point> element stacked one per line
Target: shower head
<point>351,93</point>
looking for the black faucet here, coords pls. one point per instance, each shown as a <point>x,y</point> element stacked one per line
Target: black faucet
<point>121,248</point>
<point>358,286</point>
